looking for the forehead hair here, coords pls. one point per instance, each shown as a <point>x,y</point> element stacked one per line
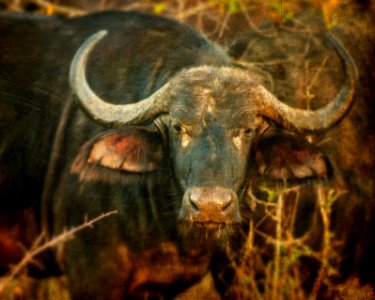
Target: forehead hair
<point>218,91</point>
<point>215,79</point>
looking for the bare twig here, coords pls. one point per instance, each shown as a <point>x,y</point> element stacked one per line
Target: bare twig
<point>248,19</point>
<point>142,6</point>
<point>325,202</point>
<point>36,248</point>
<point>314,81</point>
<point>65,10</point>
<point>277,253</point>
<point>195,10</point>
<point>250,251</point>
<point>224,25</point>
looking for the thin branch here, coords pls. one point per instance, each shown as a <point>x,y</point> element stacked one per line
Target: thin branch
<point>248,19</point>
<point>37,248</point>
<point>195,10</point>
<point>314,81</point>
<point>62,9</point>
<point>224,25</point>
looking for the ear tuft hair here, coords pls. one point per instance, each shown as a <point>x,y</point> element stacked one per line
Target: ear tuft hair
<point>287,158</point>
<point>131,150</point>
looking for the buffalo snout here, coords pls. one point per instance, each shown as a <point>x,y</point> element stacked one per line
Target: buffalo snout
<point>210,207</point>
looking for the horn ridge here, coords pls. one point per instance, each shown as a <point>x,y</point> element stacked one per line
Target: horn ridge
<point>102,111</point>
<point>302,120</point>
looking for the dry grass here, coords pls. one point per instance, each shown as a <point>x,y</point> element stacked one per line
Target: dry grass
<point>279,273</point>
<point>282,278</point>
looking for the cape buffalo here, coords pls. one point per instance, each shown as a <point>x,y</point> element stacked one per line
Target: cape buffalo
<point>166,133</point>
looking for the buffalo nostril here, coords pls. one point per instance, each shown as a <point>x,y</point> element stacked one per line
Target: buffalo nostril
<point>211,201</point>
<point>193,199</point>
<point>226,202</point>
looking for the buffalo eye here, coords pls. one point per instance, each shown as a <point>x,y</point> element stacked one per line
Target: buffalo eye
<point>248,132</point>
<point>177,128</point>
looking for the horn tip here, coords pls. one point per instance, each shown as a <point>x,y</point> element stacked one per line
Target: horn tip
<point>101,33</point>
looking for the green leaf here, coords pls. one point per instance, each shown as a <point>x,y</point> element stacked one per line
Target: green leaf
<point>271,194</point>
<point>233,7</point>
<point>246,279</point>
<point>159,8</point>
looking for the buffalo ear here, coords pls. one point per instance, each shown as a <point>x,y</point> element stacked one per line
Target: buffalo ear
<point>287,158</point>
<point>130,150</point>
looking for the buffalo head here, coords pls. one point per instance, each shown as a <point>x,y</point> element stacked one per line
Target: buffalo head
<point>210,118</point>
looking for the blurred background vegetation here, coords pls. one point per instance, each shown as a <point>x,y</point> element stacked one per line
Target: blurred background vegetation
<point>218,19</point>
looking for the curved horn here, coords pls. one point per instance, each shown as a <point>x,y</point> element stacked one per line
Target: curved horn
<point>306,120</point>
<point>102,111</point>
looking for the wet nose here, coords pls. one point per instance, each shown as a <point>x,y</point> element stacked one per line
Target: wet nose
<point>211,205</point>
<point>202,199</point>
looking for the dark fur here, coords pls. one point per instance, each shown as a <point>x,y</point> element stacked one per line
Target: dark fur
<point>42,133</point>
